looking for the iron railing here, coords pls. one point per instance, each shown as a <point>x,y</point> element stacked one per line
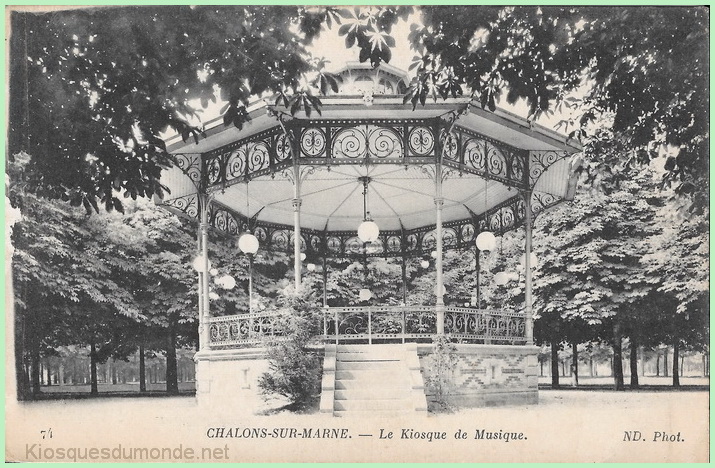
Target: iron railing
<point>485,325</point>
<point>415,323</point>
<point>244,329</point>
<point>383,324</point>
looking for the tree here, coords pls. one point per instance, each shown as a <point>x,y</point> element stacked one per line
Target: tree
<point>59,277</point>
<point>92,91</point>
<point>677,263</point>
<point>590,270</point>
<point>108,281</point>
<point>645,66</point>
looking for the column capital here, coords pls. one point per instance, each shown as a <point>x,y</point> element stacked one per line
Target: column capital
<point>296,203</point>
<point>439,201</point>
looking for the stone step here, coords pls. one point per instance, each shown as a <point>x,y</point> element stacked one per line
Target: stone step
<point>373,405</point>
<point>373,377</point>
<point>385,414</point>
<point>357,384</point>
<point>356,356</point>
<point>372,349</point>
<point>369,365</point>
<point>361,393</point>
<point>373,381</point>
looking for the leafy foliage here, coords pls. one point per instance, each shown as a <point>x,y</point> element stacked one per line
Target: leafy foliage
<point>295,371</point>
<point>440,368</point>
<point>93,91</point>
<point>646,67</point>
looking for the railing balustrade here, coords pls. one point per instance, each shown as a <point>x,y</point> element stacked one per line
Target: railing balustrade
<point>244,329</point>
<point>380,324</point>
<point>487,325</point>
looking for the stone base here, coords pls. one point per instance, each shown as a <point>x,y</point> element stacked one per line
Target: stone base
<point>488,375</point>
<point>485,375</point>
<point>227,380</point>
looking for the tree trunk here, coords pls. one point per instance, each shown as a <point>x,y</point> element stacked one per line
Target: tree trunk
<point>682,364</point>
<point>554,364</point>
<point>142,369</point>
<point>49,373</point>
<point>705,365</point>
<point>676,361</point>
<point>172,384</point>
<point>665,361</point>
<point>642,355</point>
<point>35,369</point>
<point>634,363</point>
<point>657,364</point>
<point>563,368</point>
<point>617,358</point>
<point>114,371</point>
<point>613,373</point>
<point>541,367</point>
<point>22,377</point>
<point>93,370</point>
<point>590,366</point>
<point>574,360</point>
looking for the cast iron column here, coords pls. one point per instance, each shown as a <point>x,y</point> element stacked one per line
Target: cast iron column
<point>296,220</point>
<point>296,238</point>
<point>477,268</point>
<point>439,293</point>
<point>404,280</point>
<point>204,307</point>
<point>250,283</point>
<point>528,307</point>
<point>325,281</point>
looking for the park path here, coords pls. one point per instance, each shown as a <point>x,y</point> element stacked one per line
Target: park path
<point>567,426</point>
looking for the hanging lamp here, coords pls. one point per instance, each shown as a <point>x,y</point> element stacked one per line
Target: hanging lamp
<point>485,240</point>
<point>247,242</point>
<point>368,231</point>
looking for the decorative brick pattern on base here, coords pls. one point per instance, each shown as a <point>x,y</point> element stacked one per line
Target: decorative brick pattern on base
<point>490,375</point>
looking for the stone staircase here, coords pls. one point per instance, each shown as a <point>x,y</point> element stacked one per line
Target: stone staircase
<point>378,379</point>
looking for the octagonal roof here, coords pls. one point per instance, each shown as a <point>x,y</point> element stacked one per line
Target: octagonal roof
<point>487,160</point>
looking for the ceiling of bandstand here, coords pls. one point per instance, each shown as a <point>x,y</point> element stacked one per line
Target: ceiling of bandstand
<point>397,197</point>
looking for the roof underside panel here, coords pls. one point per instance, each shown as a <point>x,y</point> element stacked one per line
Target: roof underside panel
<point>397,198</point>
<point>177,182</point>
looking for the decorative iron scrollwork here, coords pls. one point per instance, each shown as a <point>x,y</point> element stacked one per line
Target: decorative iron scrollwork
<point>187,205</point>
<point>190,164</point>
<point>450,146</point>
<point>349,143</point>
<point>421,141</point>
<point>419,322</point>
<point>313,142</point>
<point>540,161</point>
<point>244,328</point>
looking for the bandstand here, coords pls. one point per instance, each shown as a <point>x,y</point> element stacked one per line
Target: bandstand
<point>371,177</point>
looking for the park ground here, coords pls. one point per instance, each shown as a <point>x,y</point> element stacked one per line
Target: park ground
<point>566,426</point>
<point>566,382</point>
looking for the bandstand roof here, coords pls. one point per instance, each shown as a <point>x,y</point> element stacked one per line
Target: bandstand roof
<point>488,160</point>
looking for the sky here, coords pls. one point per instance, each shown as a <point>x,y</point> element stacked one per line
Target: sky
<point>331,46</point>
